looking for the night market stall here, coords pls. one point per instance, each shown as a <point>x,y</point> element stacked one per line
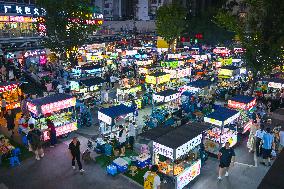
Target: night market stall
<point>127,95</point>
<point>110,118</point>
<point>59,108</point>
<point>177,153</point>
<point>246,105</point>
<point>158,80</point>
<point>11,93</point>
<point>222,131</point>
<point>269,87</point>
<point>200,87</point>
<point>87,70</point>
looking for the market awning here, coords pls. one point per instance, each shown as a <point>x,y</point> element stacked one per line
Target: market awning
<point>107,114</point>
<point>200,83</point>
<point>166,96</point>
<point>91,81</point>
<point>222,116</point>
<point>51,103</point>
<point>179,141</point>
<point>8,86</point>
<point>274,177</point>
<point>242,102</point>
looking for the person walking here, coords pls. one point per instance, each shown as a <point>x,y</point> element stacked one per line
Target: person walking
<point>52,133</point>
<point>122,140</point>
<point>226,157</point>
<point>251,139</point>
<point>35,142</point>
<point>74,148</point>
<point>131,134</point>
<point>258,137</point>
<point>112,80</point>
<point>10,119</point>
<point>3,107</point>
<point>267,145</point>
<point>152,179</point>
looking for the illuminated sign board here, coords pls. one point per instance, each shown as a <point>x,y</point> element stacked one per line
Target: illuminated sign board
<point>188,175</point>
<point>104,118</point>
<point>34,53</point>
<point>21,10</point>
<point>158,80</point>
<point>9,87</point>
<point>163,150</point>
<point>187,147</point>
<point>56,106</point>
<point>61,130</point>
<point>171,64</point>
<point>275,85</point>
<point>159,98</point>
<point>242,106</point>
<point>226,72</point>
<point>23,19</point>
<point>178,73</point>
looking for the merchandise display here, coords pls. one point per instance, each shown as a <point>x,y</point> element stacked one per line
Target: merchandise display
<point>11,93</point>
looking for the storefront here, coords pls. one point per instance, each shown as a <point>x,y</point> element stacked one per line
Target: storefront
<point>60,108</point>
<point>11,92</point>
<point>110,118</point>
<point>221,131</point>
<point>177,153</point>
<point>246,106</point>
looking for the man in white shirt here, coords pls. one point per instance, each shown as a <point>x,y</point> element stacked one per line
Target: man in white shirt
<point>31,121</point>
<point>122,140</point>
<point>131,134</point>
<point>258,137</point>
<point>151,179</point>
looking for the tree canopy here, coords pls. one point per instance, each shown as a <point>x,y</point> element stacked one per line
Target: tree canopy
<point>171,20</point>
<point>260,28</point>
<point>66,24</point>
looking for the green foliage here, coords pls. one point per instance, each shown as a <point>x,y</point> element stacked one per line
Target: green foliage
<point>63,33</point>
<point>261,31</point>
<point>171,20</point>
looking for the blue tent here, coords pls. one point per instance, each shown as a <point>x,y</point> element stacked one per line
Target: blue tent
<point>242,99</point>
<point>200,83</point>
<point>116,111</point>
<point>222,114</point>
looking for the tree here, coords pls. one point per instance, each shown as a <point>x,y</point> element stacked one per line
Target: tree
<point>67,25</point>
<point>260,29</point>
<point>171,20</point>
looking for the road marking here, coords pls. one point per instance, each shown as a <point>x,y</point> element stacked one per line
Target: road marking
<point>3,186</point>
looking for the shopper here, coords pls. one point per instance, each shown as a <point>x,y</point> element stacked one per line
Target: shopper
<point>122,140</point>
<point>152,179</point>
<point>131,134</point>
<point>74,148</point>
<point>35,142</point>
<point>10,118</point>
<point>52,132</point>
<point>258,137</point>
<point>3,107</point>
<point>227,157</point>
<point>251,139</point>
<point>267,145</point>
<point>112,80</point>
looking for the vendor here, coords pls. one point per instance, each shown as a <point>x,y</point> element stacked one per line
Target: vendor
<point>122,140</point>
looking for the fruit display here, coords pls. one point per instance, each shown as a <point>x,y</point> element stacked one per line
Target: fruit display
<point>58,120</point>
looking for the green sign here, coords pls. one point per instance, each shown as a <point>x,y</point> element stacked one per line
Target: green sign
<point>171,64</point>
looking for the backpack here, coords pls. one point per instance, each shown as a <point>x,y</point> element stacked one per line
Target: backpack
<point>149,181</point>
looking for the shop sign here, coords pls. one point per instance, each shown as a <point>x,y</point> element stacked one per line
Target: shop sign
<point>172,97</point>
<point>178,73</point>
<point>8,88</point>
<point>163,150</point>
<point>164,79</point>
<point>242,106</point>
<point>275,85</point>
<point>104,118</point>
<point>221,50</point>
<point>150,79</point>
<point>188,175</point>
<point>23,19</point>
<point>187,147</point>
<point>190,89</point>
<point>31,53</point>
<point>225,72</point>
<point>213,121</point>
<point>21,10</point>
<point>56,106</point>
<point>171,64</point>
<point>174,56</point>
<point>62,130</point>
<point>13,105</point>
<point>32,108</point>
<point>143,71</point>
<point>144,62</point>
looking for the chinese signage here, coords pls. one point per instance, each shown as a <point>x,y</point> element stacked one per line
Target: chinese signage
<point>34,53</point>
<point>242,106</point>
<point>174,56</point>
<point>163,150</point>
<point>8,88</point>
<point>61,130</point>
<point>32,108</point>
<point>225,72</point>
<point>144,62</point>
<point>56,106</point>
<point>23,19</point>
<point>158,80</point>
<point>185,148</point>
<point>221,50</point>
<point>178,73</point>
<point>188,175</point>
<point>13,105</point>
<point>21,10</point>
<point>275,85</point>
<point>104,118</point>
<point>171,64</point>
<point>169,98</point>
